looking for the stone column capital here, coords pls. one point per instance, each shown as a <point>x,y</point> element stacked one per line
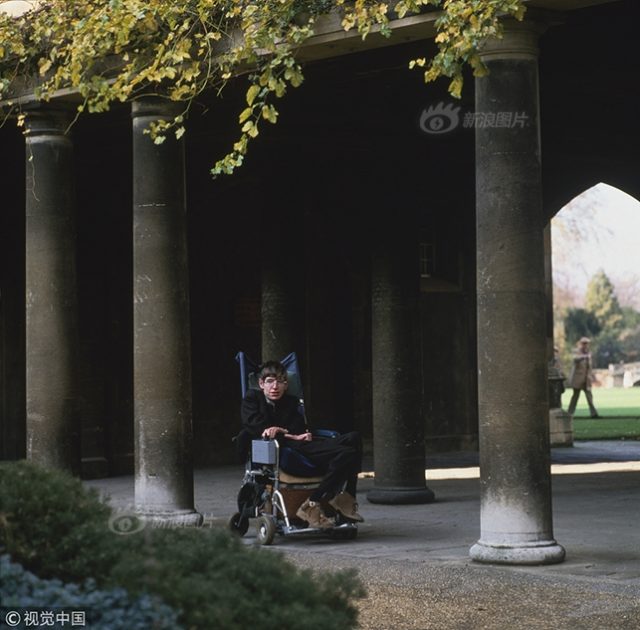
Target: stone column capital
<point>156,107</point>
<point>519,41</point>
<point>46,119</point>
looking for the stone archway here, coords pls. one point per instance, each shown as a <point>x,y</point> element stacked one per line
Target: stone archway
<point>592,234</point>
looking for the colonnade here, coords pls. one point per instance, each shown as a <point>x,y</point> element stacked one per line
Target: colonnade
<point>516,524</point>
<point>162,344</point>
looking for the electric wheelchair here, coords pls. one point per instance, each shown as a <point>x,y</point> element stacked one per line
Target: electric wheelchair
<point>278,479</point>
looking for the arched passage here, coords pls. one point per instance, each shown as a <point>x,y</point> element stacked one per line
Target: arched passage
<point>596,294</point>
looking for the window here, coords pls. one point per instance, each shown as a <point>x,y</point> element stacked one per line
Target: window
<point>427,260</point>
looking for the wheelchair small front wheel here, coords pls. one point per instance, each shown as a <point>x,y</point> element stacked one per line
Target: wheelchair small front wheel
<point>238,525</point>
<point>266,530</point>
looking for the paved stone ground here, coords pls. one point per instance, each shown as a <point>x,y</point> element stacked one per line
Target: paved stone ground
<point>414,560</point>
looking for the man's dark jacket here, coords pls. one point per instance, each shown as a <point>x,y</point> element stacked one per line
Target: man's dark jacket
<point>257,414</point>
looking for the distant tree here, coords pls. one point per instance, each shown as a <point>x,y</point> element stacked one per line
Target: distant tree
<point>607,348</point>
<point>565,295</point>
<point>601,300</point>
<point>630,335</point>
<point>630,318</point>
<point>580,322</point>
<point>573,229</point>
<point>630,340</point>
<point>628,290</point>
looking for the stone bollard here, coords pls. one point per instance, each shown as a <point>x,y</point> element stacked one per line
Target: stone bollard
<point>616,370</point>
<point>560,422</point>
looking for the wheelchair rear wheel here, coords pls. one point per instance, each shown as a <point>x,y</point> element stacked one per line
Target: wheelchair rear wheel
<point>238,525</point>
<point>266,530</point>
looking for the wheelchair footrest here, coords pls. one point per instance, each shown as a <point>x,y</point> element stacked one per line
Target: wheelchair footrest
<point>293,530</point>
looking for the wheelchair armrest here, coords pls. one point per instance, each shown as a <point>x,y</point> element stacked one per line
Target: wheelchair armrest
<point>325,433</point>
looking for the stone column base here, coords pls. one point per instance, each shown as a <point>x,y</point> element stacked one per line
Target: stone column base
<point>543,552</point>
<point>400,496</point>
<point>560,428</point>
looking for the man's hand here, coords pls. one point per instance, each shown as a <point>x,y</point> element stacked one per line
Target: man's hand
<point>272,432</point>
<point>302,437</point>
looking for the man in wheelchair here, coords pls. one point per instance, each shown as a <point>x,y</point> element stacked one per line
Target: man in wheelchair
<point>272,413</point>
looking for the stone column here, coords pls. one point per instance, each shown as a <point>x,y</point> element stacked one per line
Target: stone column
<point>282,280</point>
<point>516,521</point>
<point>162,340</point>
<point>278,325</point>
<point>51,298</point>
<point>398,425</point>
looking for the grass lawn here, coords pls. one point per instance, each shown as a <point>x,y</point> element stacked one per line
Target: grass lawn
<point>620,411</point>
<point>615,402</point>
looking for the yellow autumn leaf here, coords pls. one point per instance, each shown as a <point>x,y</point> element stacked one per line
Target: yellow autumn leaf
<point>45,65</point>
<point>269,113</point>
<point>244,115</point>
<point>252,92</point>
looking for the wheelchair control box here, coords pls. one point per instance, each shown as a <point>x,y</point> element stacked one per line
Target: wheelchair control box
<point>263,452</point>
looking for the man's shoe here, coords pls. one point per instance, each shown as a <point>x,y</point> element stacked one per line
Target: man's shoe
<point>596,415</point>
<point>311,512</point>
<point>347,506</point>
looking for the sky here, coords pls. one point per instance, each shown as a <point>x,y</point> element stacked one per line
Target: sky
<point>600,229</point>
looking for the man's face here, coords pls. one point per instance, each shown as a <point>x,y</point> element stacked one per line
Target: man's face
<point>584,347</point>
<point>274,387</point>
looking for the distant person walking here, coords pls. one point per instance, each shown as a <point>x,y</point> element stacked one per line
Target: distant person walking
<point>582,376</point>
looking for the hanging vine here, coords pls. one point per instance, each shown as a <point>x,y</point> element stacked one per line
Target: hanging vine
<point>112,51</point>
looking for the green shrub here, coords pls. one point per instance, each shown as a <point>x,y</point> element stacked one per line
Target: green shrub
<point>219,582</point>
<point>52,525</point>
<point>111,609</point>
<point>55,527</point>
